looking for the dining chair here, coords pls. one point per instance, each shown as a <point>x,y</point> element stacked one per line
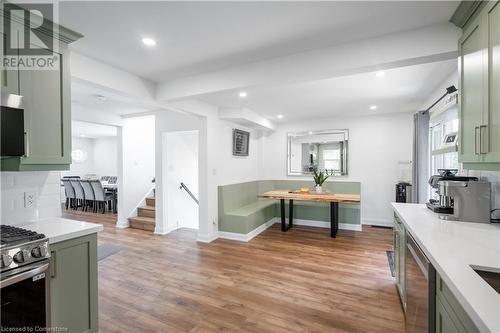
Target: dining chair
<point>79,194</point>
<point>104,178</point>
<point>102,198</point>
<point>88,191</point>
<point>69,192</point>
<point>112,179</point>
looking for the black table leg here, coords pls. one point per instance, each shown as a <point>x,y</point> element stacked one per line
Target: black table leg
<point>290,215</point>
<point>334,218</point>
<point>283,223</point>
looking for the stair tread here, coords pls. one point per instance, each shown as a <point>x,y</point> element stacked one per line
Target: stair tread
<point>148,207</point>
<point>143,219</point>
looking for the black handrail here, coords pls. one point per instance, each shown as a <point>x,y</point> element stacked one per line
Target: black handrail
<point>183,186</point>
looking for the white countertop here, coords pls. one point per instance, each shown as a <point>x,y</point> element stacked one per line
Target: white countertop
<point>59,229</point>
<point>452,247</point>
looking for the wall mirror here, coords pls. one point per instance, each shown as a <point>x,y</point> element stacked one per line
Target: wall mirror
<point>318,150</point>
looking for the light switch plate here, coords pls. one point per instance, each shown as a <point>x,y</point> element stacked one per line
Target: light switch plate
<point>29,199</point>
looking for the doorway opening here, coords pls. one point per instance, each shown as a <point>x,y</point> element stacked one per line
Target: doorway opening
<point>181,149</point>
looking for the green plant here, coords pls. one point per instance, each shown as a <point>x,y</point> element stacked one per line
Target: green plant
<point>319,178</point>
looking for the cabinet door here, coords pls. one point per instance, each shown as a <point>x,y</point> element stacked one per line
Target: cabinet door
<point>73,284</point>
<point>493,133</point>
<point>444,322</point>
<point>9,77</point>
<point>47,114</point>
<point>473,85</point>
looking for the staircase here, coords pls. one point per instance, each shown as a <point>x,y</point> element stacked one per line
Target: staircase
<point>145,219</point>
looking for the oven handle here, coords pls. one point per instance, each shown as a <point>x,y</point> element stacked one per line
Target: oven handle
<point>24,275</point>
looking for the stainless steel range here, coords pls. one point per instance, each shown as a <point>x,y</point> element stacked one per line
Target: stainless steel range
<point>24,279</point>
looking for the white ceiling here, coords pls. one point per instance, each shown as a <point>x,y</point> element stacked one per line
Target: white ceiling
<point>402,89</point>
<point>85,97</point>
<point>92,131</point>
<point>195,37</point>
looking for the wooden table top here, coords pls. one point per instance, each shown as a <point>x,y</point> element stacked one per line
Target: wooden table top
<point>312,196</point>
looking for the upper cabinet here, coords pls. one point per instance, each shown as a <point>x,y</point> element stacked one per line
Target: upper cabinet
<point>479,69</point>
<point>46,101</point>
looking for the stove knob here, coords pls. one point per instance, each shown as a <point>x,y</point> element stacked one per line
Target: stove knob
<point>6,260</point>
<point>39,252</point>
<point>21,256</point>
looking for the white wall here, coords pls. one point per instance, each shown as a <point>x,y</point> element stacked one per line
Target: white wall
<point>105,156</point>
<point>138,149</point>
<point>376,145</point>
<point>217,165</point>
<point>45,185</point>
<point>182,166</point>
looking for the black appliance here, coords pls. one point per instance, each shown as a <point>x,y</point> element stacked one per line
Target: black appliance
<point>12,129</point>
<point>24,280</point>
<point>403,192</point>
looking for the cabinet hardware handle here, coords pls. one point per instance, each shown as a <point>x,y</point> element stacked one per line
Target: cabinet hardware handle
<point>53,264</point>
<point>481,136</point>
<point>26,144</point>
<point>475,140</point>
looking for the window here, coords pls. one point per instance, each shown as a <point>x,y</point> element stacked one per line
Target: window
<point>332,160</point>
<point>79,155</point>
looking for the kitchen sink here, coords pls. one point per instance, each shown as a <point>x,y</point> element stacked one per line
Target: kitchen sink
<point>490,275</point>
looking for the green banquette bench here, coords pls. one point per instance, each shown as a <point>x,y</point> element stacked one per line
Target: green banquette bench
<point>241,211</point>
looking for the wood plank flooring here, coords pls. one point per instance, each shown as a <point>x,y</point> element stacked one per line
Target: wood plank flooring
<point>299,281</point>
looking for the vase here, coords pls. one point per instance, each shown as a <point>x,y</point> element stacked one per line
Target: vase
<point>319,189</point>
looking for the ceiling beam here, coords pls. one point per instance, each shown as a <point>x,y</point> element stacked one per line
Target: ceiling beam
<point>430,44</point>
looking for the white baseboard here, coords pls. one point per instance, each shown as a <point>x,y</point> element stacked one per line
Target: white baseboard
<point>206,238</point>
<point>122,224</point>
<point>249,236</point>
<point>378,222</point>
<point>323,224</point>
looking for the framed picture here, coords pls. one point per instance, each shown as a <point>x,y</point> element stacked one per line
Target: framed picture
<point>241,141</point>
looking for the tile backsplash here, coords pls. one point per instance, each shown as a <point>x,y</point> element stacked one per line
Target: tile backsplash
<point>45,185</point>
<point>494,178</point>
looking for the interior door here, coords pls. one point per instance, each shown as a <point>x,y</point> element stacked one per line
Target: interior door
<point>494,85</point>
<point>473,84</point>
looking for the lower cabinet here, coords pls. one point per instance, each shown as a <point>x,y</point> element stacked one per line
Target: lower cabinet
<point>73,284</point>
<point>450,316</point>
<point>400,259</point>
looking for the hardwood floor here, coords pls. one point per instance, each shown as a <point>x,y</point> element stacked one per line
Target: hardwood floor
<point>299,281</point>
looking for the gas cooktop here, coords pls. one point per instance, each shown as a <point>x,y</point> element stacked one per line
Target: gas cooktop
<point>21,247</point>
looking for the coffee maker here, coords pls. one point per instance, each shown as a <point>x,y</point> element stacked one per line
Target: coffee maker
<point>460,198</point>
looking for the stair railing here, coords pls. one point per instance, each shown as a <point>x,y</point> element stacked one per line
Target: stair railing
<point>183,186</point>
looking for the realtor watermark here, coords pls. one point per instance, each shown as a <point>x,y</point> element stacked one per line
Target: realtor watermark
<point>30,35</point>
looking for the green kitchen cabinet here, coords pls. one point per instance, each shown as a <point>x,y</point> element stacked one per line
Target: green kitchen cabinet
<point>450,315</point>
<point>73,284</point>
<point>479,69</point>
<point>46,100</point>
<point>399,235</point>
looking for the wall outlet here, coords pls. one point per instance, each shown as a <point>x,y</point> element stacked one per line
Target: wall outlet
<point>29,199</point>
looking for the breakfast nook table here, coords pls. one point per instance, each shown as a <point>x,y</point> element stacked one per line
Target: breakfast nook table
<point>333,198</point>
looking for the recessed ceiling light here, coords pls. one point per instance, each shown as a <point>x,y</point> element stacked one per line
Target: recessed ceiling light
<point>380,74</point>
<point>82,135</point>
<point>243,94</point>
<point>148,41</point>
<point>373,107</point>
<point>100,97</point>
<point>280,116</point>
<point>310,133</point>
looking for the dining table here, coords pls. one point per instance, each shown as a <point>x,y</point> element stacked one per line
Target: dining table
<point>332,198</point>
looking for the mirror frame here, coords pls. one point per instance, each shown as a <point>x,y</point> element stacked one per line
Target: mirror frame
<point>291,135</point>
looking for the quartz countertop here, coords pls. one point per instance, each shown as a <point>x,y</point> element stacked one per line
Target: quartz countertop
<point>452,247</point>
<point>60,229</point>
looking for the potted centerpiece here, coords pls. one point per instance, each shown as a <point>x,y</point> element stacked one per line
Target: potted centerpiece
<point>319,179</point>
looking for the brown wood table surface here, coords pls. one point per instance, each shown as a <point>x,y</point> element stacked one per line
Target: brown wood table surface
<point>330,197</point>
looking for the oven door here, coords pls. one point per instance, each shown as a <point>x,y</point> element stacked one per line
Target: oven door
<point>25,298</point>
